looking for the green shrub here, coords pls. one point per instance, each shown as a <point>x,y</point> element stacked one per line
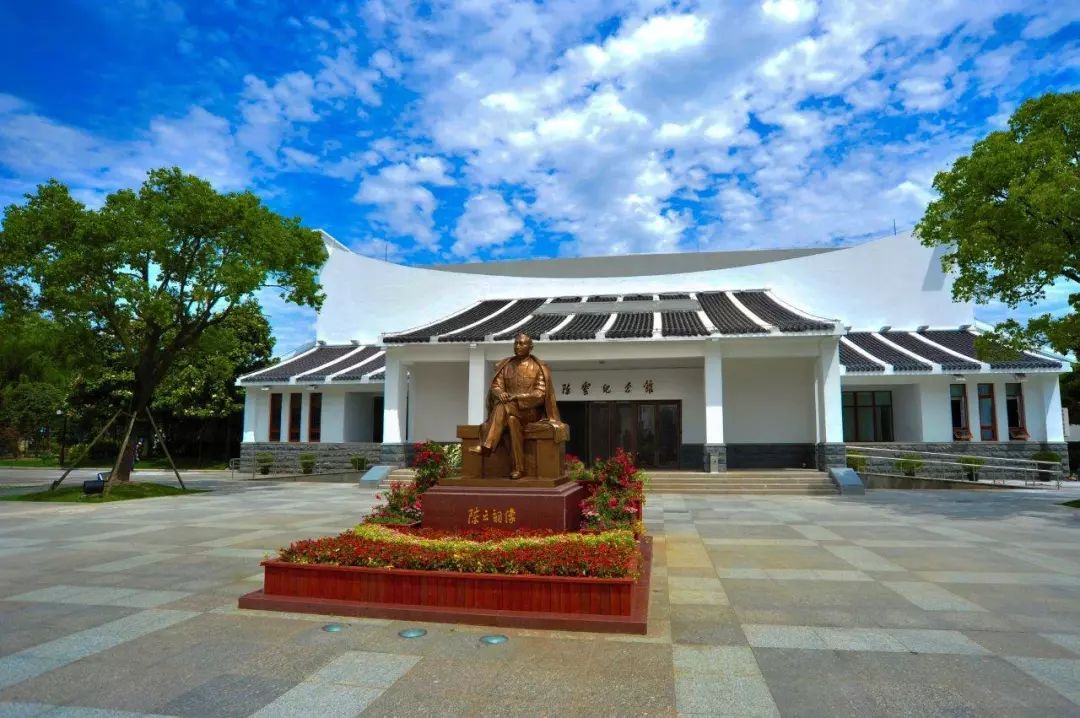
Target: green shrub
<point>1046,456</point>
<point>857,462</point>
<point>909,464</point>
<point>971,466</point>
<point>453,457</point>
<point>46,456</point>
<point>307,462</point>
<point>359,462</point>
<point>264,460</point>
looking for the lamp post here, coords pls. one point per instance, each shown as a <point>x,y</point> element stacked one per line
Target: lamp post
<point>63,435</point>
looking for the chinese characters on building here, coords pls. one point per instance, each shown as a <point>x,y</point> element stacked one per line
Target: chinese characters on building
<point>568,389</point>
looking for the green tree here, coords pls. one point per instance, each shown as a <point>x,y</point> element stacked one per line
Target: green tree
<point>1009,217</point>
<point>202,384</point>
<point>151,271</point>
<point>29,408</point>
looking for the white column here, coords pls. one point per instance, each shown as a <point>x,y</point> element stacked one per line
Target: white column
<point>832,410</point>
<point>251,415</point>
<point>395,396</point>
<point>973,407</point>
<point>284,413</point>
<point>935,409</point>
<point>1002,411</point>
<point>478,388</point>
<point>714,394</point>
<point>305,414</point>
<point>818,434</point>
<point>1055,429</point>
<point>333,416</point>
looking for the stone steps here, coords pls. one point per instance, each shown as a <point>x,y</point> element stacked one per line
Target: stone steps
<point>756,491</point>
<point>783,482</point>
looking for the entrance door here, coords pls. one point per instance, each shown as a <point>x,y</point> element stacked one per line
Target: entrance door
<point>649,429</point>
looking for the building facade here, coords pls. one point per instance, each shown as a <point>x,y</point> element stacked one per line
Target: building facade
<point>747,359</point>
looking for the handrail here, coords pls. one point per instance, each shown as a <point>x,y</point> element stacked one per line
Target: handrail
<point>862,447</point>
<point>1027,470</point>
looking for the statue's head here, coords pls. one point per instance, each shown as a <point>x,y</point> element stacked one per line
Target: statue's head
<point>523,345</point>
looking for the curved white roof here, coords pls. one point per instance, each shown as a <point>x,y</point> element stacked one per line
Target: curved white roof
<point>893,281</point>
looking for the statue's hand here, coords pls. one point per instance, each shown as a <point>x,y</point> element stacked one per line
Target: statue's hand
<point>503,397</point>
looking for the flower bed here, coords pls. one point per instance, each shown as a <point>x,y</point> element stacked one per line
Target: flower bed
<point>612,554</point>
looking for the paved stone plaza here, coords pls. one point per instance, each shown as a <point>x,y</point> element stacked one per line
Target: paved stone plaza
<point>897,603</point>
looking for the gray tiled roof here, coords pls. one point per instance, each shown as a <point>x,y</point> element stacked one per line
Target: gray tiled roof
<point>571,319</point>
<point>331,359</point>
<point>899,360</point>
<point>963,342</point>
<point>938,348</point>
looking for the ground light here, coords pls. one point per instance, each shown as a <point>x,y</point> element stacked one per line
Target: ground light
<point>494,639</point>
<point>413,633</point>
<point>333,627</point>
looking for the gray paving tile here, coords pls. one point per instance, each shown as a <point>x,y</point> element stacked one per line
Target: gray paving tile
<point>16,709</point>
<point>862,558</point>
<point>227,696</point>
<point>931,597</point>
<point>320,700</point>
<point>1061,674</point>
<point>18,668</point>
<point>364,668</point>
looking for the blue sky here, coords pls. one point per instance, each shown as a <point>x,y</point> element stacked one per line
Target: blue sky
<point>456,131</point>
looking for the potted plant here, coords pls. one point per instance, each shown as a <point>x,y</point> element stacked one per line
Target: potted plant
<point>1051,456</point>
<point>857,462</point>
<point>264,460</point>
<point>359,462</point>
<point>909,464</point>
<point>971,466</point>
<point>307,462</point>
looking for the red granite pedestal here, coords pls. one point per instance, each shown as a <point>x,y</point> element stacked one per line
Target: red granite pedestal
<point>454,505</point>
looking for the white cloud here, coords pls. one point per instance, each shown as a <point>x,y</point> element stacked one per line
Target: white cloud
<point>401,201</point>
<point>789,10</point>
<point>37,148</point>
<point>487,222</point>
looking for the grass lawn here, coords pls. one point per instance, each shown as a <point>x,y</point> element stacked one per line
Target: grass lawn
<point>120,492</point>
<point>1075,504</point>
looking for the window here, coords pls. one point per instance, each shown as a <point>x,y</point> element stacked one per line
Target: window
<point>1014,409</point>
<point>314,426</point>
<point>959,405</point>
<point>275,417</point>
<point>987,424</point>
<point>294,416</point>
<point>868,416</point>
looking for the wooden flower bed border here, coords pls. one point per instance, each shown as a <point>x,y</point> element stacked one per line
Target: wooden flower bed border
<point>608,605</point>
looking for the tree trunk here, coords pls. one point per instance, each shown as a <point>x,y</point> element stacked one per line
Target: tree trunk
<point>144,387</point>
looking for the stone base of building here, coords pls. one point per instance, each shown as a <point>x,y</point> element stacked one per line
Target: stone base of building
<point>830,455</point>
<point>715,457</point>
<point>328,456</point>
<point>770,456</point>
<point>393,454</point>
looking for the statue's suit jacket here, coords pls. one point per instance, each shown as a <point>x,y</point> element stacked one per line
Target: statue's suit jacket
<point>551,409</point>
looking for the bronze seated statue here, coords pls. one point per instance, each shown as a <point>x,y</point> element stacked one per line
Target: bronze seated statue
<point>522,413</point>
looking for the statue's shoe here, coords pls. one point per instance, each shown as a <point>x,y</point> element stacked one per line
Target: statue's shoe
<point>479,450</point>
<point>515,475</point>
